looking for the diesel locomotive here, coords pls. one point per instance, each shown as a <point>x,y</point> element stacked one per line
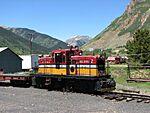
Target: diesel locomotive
<point>69,69</point>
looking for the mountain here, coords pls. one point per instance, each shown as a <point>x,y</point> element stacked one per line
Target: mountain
<point>18,44</point>
<point>39,38</point>
<point>136,15</point>
<point>19,40</point>
<point>78,40</point>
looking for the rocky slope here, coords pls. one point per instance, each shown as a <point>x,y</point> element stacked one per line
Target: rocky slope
<point>136,15</point>
<point>78,40</point>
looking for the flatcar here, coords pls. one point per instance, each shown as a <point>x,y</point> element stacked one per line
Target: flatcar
<point>69,69</point>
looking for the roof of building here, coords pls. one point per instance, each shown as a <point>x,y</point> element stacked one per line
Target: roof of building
<point>3,48</point>
<point>111,58</point>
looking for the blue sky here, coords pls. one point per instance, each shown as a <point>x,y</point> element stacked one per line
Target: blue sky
<point>61,19</point>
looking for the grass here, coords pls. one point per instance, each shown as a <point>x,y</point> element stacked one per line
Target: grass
<point>120,75</point>
<point>147,23</point>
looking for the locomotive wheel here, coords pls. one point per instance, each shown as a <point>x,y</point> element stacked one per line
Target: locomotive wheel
<point>69,86</point>
<point>40,82</point>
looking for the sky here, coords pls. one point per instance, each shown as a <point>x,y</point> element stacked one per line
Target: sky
<point>61,19</point>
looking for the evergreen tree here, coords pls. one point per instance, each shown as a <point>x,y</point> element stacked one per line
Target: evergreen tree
<point>138,49</point>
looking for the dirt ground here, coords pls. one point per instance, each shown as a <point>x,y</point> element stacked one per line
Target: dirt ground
<point>31,100</point>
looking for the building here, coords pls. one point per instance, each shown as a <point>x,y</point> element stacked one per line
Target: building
<point>117,59</point>
<point>29,62</point>
<point>114,59</point>
<point>10,62</point>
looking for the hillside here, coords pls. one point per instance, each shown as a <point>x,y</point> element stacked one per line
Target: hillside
<point>136,15</point>
<point>18,44</point>
<point>78,40</point>
<point>39,38</point>
<point>18,39</point>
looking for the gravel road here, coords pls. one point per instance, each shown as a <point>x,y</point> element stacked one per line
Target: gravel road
<point>31,100</point>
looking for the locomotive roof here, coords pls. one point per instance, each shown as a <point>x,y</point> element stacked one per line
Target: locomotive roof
<point>89,57</point>
<point>63,50</point>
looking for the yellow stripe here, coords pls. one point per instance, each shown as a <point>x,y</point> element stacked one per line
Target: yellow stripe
<point>86,71</point>
<point>62,71</point>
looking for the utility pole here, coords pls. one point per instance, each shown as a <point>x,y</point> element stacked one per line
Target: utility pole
<point>31,39</point>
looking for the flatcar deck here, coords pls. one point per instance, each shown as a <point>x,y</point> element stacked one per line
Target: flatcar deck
<point>4,77</point>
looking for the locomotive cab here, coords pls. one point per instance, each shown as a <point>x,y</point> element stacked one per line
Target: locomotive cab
<point>101,66</point>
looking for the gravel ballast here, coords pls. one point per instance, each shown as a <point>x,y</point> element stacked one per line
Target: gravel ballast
<point>31,100</point>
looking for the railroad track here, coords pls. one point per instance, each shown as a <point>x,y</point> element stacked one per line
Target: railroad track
<point>118,96</point>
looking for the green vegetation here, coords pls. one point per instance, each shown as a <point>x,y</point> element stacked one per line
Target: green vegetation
<point>143,9</point>
<point>139,48</point>
<point>147,23</point>
<point>120,75</point>
<point>8,39</point>
<point>116,24</point>
<point>40,39</point>
<point>18,41</point>
<point>132,28</point>
<point>122,52</point>
<point>107,52</point>
<point>18,44</point>
<point>143,3</point>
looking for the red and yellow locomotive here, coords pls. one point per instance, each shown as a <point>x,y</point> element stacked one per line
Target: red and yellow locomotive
<point>68,68</point>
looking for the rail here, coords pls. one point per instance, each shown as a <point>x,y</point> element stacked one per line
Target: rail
<point>118,96</point>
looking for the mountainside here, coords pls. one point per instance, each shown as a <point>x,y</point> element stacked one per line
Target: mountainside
<point>136,15</point>
<point>18,39</point>
<point>39,38</point>
<point>18,44</point>
<point>78,40</point>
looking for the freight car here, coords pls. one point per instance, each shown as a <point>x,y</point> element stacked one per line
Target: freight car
<point>17,79</point>
<point>69,69</point>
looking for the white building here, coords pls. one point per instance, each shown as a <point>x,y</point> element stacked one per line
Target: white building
<point>29,62</point>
